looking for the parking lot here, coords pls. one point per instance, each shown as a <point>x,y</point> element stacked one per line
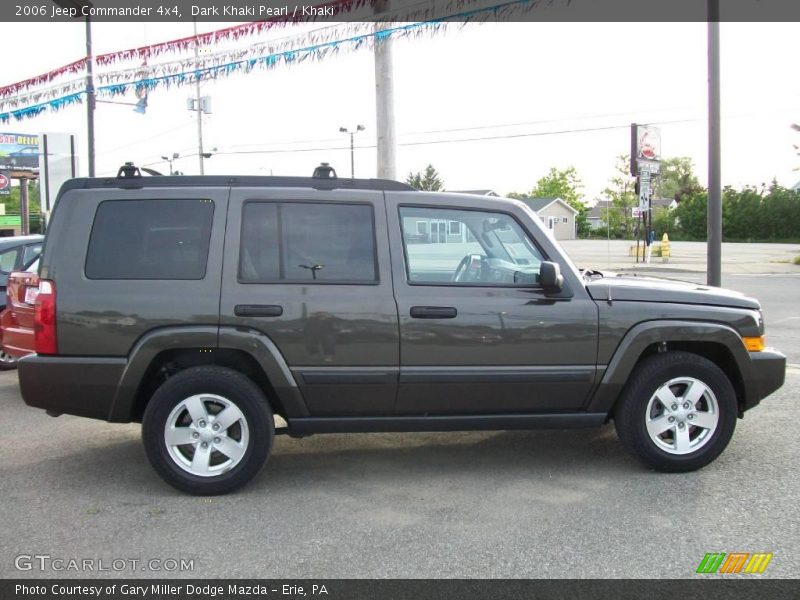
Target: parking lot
<point>498,504</point>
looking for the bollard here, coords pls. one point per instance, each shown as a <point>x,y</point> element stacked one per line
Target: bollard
<point>665,248</point>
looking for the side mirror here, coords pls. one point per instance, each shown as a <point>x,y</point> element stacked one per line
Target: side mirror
<point>550,277</point>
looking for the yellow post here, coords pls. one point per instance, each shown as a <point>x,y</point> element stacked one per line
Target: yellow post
<point>665,248</point>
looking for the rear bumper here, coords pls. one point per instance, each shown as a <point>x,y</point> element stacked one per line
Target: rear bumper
<point>73,385</point>
<point>767,375</point>
<point>18,341</point>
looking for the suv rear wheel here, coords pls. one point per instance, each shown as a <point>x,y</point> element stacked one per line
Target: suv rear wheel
<point>207,430</point>
<point>677,413</point>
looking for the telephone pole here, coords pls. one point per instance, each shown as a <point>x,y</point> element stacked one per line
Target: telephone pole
<point>384,100</point>
<point>199,100</point>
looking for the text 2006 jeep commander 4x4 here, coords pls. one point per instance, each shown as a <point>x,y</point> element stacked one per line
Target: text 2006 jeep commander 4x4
<point>203,306</point>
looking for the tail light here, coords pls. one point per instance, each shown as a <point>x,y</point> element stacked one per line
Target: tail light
<point>44,323</point>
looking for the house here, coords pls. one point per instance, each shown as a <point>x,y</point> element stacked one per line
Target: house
<point>796,187</point>
<point>558,216</point>
<point>596,215</point>
<point>490,193</point>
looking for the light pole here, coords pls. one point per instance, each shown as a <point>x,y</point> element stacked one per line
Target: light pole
<point>175,156</point>
<point>352,147</point>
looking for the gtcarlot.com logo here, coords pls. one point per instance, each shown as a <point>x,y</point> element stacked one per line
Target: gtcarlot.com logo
<point>46,562</point>
<point>734,562</point>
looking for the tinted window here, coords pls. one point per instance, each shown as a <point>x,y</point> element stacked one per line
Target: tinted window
<point>467,247</point>
<point>150,239</point>
<point>305,241</point>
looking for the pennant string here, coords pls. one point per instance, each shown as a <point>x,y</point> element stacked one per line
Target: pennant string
<point>188,71</point>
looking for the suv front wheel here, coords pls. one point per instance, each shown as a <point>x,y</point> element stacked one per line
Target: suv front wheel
<point>207,430</point>
<point>677,413</point>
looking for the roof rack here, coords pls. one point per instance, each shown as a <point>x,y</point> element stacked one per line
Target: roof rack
<point>323,178</point>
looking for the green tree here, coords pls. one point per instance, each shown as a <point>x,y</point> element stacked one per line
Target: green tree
<point>564,184</point>
<point>677,179</point>
<point>664,221</point>
<point>766,213</point>
<point>622,196</point>
<point>11,201</point>
<point>428,180</point>
<point>12,207</point>
<point>692,216</point>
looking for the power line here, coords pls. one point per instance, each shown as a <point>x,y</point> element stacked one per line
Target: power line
<point>456,129</point>
<point>457,140</point>
<point>460,140</point>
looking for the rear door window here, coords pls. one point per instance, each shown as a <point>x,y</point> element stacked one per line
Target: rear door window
<point>307,242</point>
<point>150,239</point>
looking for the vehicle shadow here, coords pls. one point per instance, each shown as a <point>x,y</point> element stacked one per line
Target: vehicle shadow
<point>338,461</point>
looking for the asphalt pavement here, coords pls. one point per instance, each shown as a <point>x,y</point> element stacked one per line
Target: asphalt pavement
<point>499,504</point>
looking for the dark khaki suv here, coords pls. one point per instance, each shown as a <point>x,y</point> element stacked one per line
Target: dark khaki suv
<point>205,306</point>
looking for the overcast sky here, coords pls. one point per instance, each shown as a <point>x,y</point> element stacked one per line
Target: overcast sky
<point>485,80</point>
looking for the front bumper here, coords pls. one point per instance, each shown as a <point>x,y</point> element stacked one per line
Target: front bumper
<point>767,374</point>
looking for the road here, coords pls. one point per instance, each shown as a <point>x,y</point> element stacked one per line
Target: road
<point>500,504</point>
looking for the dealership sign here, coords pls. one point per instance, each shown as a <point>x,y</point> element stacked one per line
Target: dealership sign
<point>19,151</point>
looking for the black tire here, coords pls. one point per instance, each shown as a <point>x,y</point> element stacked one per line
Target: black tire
<point>630,412</point>
<point>7,362</point>
<point>234,388</point>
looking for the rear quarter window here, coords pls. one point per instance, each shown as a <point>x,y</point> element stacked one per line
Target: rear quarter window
<point>150,239</point>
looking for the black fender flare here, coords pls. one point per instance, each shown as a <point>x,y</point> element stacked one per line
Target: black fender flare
<point>252,342</point>
<point>647,333</point>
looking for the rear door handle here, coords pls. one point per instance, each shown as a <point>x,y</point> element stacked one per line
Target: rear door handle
<point>258,310</point>
<point>433,312</point>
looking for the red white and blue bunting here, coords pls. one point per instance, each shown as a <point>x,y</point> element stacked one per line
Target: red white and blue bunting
<point>310,46</point>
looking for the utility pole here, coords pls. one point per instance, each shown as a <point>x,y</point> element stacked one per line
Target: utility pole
<point>714,247</point>
<point>76,9</point>
<point>384,101</point>
<point>199,100</point>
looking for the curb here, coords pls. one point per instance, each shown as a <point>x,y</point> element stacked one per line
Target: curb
<point>650,269</point>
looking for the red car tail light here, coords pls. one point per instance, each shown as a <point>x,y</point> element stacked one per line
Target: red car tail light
<point>44,324</point>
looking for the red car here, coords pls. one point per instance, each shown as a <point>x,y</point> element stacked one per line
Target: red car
<point>16,321</point>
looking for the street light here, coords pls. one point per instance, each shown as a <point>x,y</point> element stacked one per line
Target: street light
<point>175,156</point>
<point>352,149</point>
<point>77,6</point>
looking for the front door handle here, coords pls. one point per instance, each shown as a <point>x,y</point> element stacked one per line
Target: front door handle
<point>433,312</point>
<point>258,310</point>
